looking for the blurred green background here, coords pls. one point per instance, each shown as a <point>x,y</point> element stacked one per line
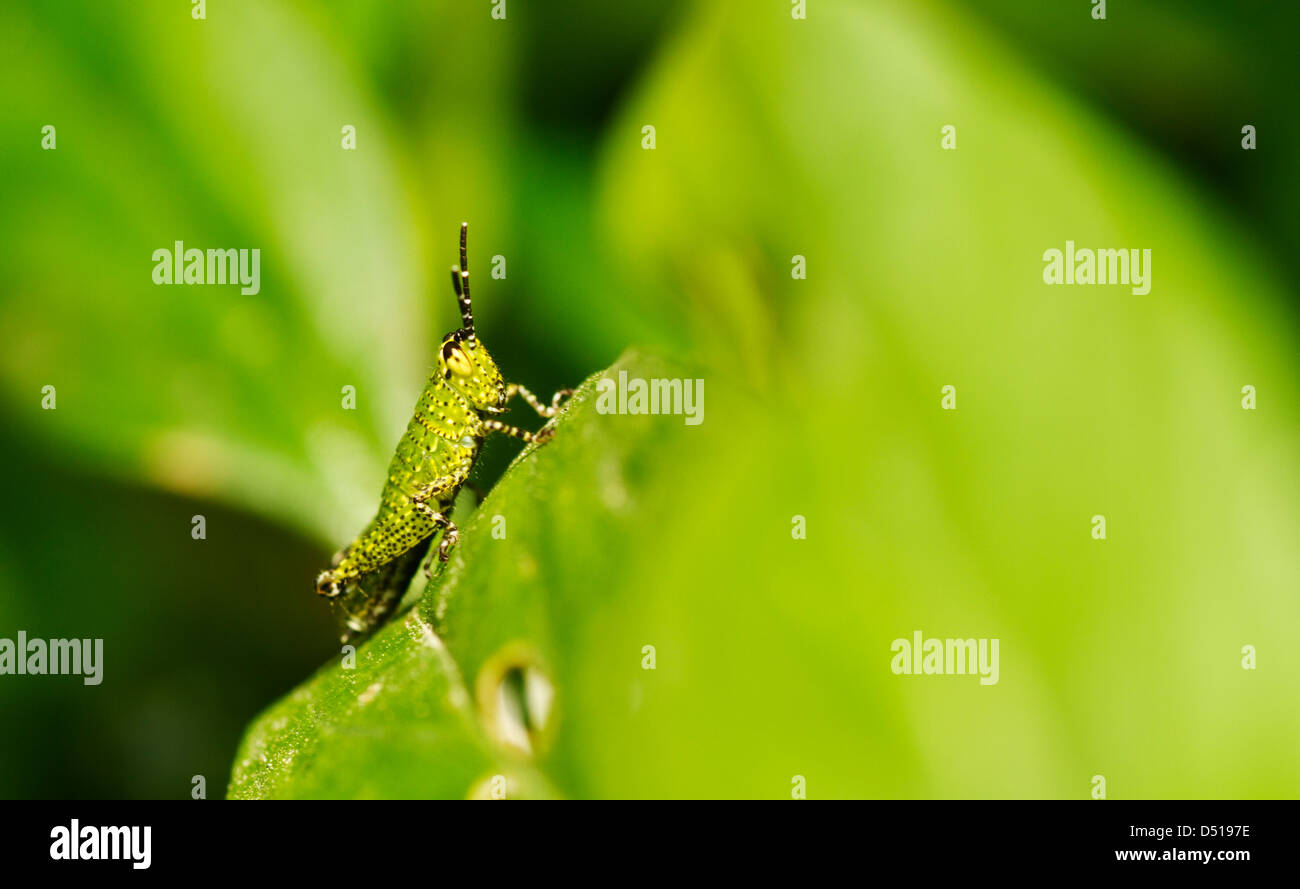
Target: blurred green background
<point>774,137</point>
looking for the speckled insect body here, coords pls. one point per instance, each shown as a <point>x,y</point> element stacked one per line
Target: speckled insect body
<point>430,464</point>
<point>366,602</point>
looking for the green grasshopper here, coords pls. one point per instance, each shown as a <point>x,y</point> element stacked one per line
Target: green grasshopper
<point>431,463</point>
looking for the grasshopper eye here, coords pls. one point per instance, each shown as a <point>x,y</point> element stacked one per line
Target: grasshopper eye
<point>456,360</point>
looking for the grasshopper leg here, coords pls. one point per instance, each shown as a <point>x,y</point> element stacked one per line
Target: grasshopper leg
<point>449,539</point>
<point>542,410</point>
<point>540,437</point>
<point>451,536</point>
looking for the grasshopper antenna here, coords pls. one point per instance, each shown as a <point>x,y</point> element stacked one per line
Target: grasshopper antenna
<point>460,282</point>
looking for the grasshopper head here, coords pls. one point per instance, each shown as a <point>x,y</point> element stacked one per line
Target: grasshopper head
<point>466,364</point>
<point>463,361</point>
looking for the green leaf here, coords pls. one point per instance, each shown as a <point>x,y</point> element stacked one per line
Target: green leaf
<point>397,725</point>
<point>822,138</point>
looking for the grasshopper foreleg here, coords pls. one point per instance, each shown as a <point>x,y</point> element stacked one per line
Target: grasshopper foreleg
<point>542,410</point>
<point>541,436</point>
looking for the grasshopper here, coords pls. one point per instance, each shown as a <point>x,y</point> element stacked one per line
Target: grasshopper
<point>453,415</point>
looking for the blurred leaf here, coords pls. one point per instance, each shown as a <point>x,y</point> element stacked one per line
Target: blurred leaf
<point>822,139</point>
<point>220,134</point>
<point>1186,76</point>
